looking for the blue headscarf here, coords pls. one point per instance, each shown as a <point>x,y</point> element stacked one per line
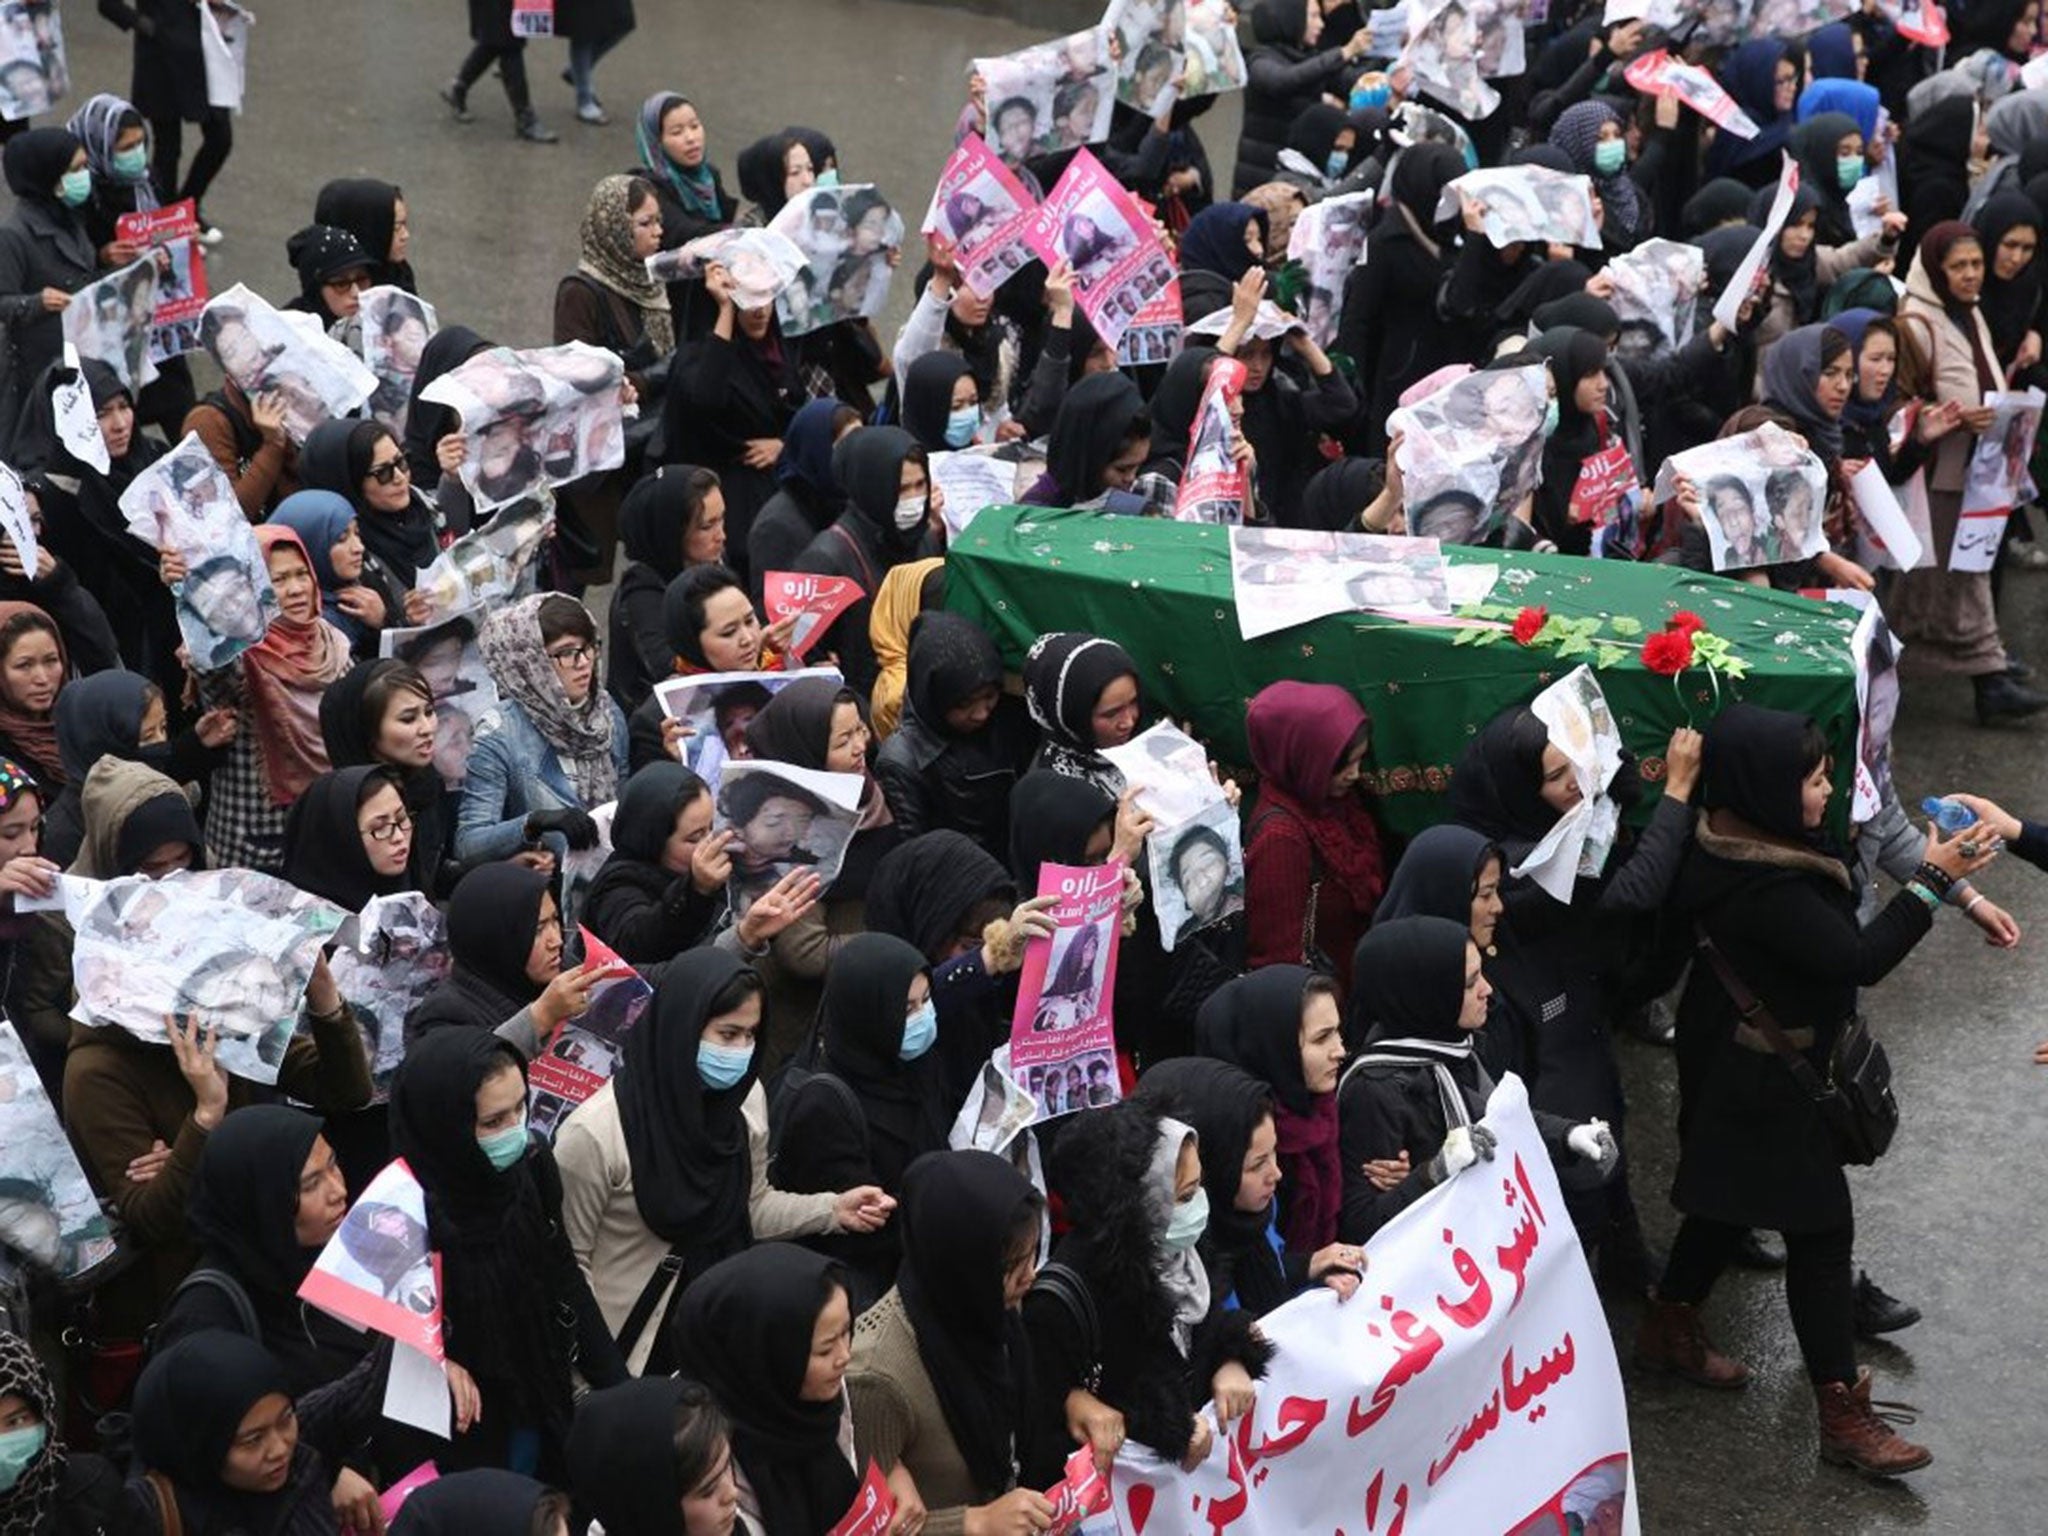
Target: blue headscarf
<point>320,519</point>
<point>1867,416</point>
<point>807,450</point>
<point>1852,97</point>
<point>1214,240</point>
<point>1831,52</point>
<point>1750,76</point>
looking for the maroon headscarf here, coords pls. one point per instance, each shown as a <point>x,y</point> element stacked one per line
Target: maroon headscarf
<point>1935,246</point>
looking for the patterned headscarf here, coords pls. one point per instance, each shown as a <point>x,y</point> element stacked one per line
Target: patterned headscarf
<point>25,1506</point>
<point>97,125</point>
<point>581,734</point>
<point>608,257</point>
<point>1577,133</point>
<point>15,781</point>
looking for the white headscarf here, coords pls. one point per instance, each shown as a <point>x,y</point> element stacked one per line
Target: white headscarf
<point>1181,1272</point>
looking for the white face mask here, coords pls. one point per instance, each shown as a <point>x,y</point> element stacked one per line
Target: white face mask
<point>910,512</point>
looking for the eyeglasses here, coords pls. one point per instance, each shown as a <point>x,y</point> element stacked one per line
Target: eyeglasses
<point>360,282</point>
<point>391,471</point>
<point>572,655</point>
<point>389,831</point>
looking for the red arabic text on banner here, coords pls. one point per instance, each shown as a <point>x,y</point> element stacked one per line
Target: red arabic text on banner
<point>817,600</point>
<point>1106,235</point>
<point>1063,1035</point>
<point>1604,478</point>
<point>873,1507</point>
<point>533,18</point>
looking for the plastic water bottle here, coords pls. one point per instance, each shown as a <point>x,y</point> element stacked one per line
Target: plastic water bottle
<point>1949,815</point>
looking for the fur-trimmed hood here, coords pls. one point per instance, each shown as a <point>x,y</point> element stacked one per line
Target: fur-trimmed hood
<point>1101,1166</point>
<point>1754,850</point>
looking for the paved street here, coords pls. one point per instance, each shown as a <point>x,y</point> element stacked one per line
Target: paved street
<point>1952,1220</point>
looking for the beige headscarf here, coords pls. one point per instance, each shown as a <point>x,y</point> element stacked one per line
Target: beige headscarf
<point>608,259</point>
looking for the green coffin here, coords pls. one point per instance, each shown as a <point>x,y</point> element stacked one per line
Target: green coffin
<point>1163,589</point>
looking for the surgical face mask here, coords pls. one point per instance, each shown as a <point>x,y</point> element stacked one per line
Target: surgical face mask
<point>961,426</point>
<point>721,1066</point>
<point>1848,170</point>
<point>919,1031</point>
<point>129,164</point>
<point>827,179</point>
<point>18,1450</point>
<point>1550,418</point>
<point>75,188</point>
<point>910,510</point>
<point>506,1147</point>
<point>1338,163</point>
<point>1189,1220</point>
<point>1609,156</point>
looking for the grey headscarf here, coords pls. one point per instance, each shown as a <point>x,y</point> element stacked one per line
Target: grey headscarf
<point>1181,1272</point>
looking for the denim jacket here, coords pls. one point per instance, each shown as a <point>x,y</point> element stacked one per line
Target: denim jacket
<point>513,772</point>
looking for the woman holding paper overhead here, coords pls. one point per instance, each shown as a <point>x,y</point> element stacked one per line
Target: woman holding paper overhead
<point>1948,614</point>
<point>519,1321</point>
<point>665,1168</point>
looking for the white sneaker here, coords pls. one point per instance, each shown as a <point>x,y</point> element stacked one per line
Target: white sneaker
<point>208,235</point>
<point>2025,552</point>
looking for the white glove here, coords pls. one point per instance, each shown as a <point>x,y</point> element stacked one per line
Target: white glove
<point>1594,1142</point>
<point>1454,1157</point>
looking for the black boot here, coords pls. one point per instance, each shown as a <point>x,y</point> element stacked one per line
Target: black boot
<point>1652,1023</point>
<point>1754,1253</point>
<point>533,130</point>
<point>456,94</point>
<point>2001,697</point>
<point>1878,1311</point>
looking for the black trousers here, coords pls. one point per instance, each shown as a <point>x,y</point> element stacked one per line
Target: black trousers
<point>1820,1286</point>
<point>216,139</point>
<point>511,61</point>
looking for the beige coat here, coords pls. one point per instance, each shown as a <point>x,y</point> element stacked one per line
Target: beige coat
<point>617,1252</point>
<point>1832,262</point>
<point>1954,369</point>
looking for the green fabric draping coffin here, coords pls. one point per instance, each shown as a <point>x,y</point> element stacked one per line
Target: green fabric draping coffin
<point>1163,589</point>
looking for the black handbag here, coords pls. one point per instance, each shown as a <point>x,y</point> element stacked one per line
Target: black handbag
<point>1855,1100</point>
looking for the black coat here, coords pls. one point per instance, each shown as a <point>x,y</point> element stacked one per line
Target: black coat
<point>639,655</point>
<point>170,64</point>
<point>782,529</point>
<point>1282,82</point>
<point>934,781</point>
<point>1752,1147</point>
<point>645,913</point>
<point>40,247</point>
<point>1390,326</point>
<point>721,394</point>
<point>593,20</point>
<point>850,547</point>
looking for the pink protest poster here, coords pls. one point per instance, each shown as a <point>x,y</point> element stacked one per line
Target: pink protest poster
<point>815,600</point>
<point>181,291</point>
<point>873,1507</point>
<point>1103,233</point>
<point>1084,1491</point>
<point>377,1271</point>
<point>986,212</point>
<point>1063,1034</point>
<point>1216,486</point>
<point>1657,73</point>
<point>583,1053</point>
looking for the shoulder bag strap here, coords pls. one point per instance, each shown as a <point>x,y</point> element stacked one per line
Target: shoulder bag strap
<point>1065,1285</point>
<point>1751,1010</point>
<point>168,1518</point>
<point>867,568</point>
<point>667,1273</point>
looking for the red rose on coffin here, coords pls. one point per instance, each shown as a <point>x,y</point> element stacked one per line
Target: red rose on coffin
<point>1529,624</point>
<point>1668,653</point>
<point>1687,623</point>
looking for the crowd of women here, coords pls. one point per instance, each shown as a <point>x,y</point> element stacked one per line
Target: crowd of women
<point>754,1261</point>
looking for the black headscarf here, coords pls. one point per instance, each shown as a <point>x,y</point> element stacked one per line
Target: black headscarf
<point>1408,981</point>
<point>1437,875</point>
<point>1052,817</point>
<point>1417,181</point>
<point>761,173</point>
<point>101,716</point>
<point>35,161</point>
<point>654,519</point>
<point>323,850</point>
<point>1224,1105</point>
<point>928,396</point>
<point>1065,675</point>
<point>958,1213</point>
<point>1549,282</point>
<point>622,1456</point>
<point>1094,419</point>
<point>1214,239</point>
<point>648,806</point>
<point>320,253</point>
<point>744,1330</point>
<point>1752,765</point>
<point>1596,317</point>
<point>1724,200</point>
<point>337,457</point>
<point>924,888</point>
<point>425,422</point>
<point>1572,355</point>
<point>1498,787</point>
<point>2011,306</point>
<point>1254,1023</point>
<point>1799,277</point>
<point>796,725</point>
<point>686,1142</point>
<point>367,209</point>
<point>1338,492</point>
<point>860,1034</point>
<point>483,1501</point>
<point>189,1405</point>
<point>245,1197</point>
<point>502,1252</point>
<point>1813,145</point>
<point>1724,249</point>
<point>952,658</point>
<point>869,464</point>
<point>493,917</point>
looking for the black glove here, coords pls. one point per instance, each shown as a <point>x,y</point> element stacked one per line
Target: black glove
<point>573,824</point>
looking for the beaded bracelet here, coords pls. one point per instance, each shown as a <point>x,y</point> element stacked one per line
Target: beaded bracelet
<point>1933,901</point>
<point>1934,879</point>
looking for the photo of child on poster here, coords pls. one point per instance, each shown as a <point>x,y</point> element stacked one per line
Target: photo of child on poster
<point>312,377</point>
<point>1091,223</point>
<point>1062,1024</point>
<point>1328,240</point>
<point>1197,873</point>
<point>489,563</point>
<point>397,956</point>
<point>1526,204</point>
<point>112,321</point>
<point>760,262</point>
<point>716,708</point>
<point>534,419</point>
<point>1287,576</point>
<point>171,235</point>
<point>396,327</point>
<point>34,76</point>
<point>377,1271</point>
<point>850,237</point>
<point>186,503</point>
<point>1655,291</point>
<point>985,212</point>
<point>1761,497</point>
<point>49,1215</point>
<point>1050,96</point>
<point>1216,486</point>
<point>783,819</point>
<point>1471,452</point>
